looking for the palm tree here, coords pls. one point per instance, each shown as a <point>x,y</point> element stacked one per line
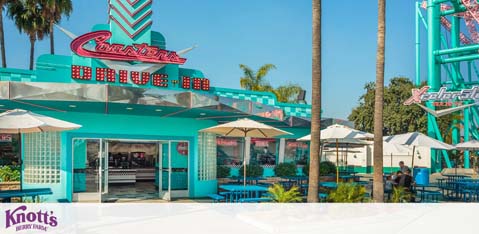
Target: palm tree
<point>53,10</point>
<point>315,106</point>
<point>2,36</point>
<point>28,18</point>
<point>255,80</point>
<point>378,185</point>
<point>287,93</point>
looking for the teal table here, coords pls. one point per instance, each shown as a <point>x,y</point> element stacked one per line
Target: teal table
<point>34,193</point>
<point>239,193</point>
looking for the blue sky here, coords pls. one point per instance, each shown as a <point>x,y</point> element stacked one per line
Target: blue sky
<point>256,32</point>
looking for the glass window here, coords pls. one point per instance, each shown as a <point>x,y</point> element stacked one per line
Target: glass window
<point>207,160</point>
<point>229,151</point>
<point>9,149</point>
<point>263,151</point>
<point>42,151</point>
<point>296,151</point>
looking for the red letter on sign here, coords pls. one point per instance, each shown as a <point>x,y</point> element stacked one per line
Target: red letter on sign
<point>81,72</point>
<point>102,72</point>
<point>197,83</point>
<point>205,84</point>
<point>160,80</point>
<point>135,77</point>
<point>186,82</point>
<point>123,76</point>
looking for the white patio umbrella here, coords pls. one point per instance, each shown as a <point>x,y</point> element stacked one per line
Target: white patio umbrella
<point>417,139</point>
<point>472,145</point>
<point>391,149</point>
<point>339,134</point>
<point>245,128</point>
<point>22,121</point>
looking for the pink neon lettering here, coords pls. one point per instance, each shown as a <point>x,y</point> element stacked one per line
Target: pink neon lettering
<point>136,52</point>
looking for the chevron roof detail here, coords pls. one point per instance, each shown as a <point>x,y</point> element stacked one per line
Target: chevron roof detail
<point>137,32</point>
<point>135,11</point>
<point>135,22</point>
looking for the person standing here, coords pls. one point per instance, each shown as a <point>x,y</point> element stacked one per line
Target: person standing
<point>403,167</point>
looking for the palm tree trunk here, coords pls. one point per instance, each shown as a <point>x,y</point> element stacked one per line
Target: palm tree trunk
<point>2,39</point>
<point>378,183</point>
<point>315,106</point>
<point>32,51</point>
<point>52,42</point>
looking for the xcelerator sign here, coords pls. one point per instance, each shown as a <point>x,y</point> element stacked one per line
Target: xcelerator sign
<point>443,97</point>
<point>24,219</point>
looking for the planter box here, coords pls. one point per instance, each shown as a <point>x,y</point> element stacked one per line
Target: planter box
<point>9,185</point>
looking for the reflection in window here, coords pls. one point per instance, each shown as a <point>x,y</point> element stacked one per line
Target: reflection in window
<point>296,151</point>
<point>263,151</point>
<point>229,151</point>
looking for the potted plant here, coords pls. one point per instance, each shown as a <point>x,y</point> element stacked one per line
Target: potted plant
<point>285,169</point>
<point>277,193</point>
<point>9,178</point>
<point>326,169</point>
<point>348,193</point>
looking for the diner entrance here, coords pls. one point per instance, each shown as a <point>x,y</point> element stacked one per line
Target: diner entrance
<point>109,170</point>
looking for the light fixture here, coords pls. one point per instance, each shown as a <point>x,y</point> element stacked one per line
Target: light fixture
<point>72,106</point>
<point>129,108</point>
<point>158,110</point>
<point>202,114</point>
<point>2,105</point>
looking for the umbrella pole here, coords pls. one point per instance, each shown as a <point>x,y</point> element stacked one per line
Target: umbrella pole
<point>244,162</point>
<point>391,168</point>
<point>337,161</point>
<point>412,161</point>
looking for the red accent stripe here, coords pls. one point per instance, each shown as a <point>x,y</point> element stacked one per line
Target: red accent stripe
<point>127,21</point>
<point>134,13</point>
<point>126,31</point>
<point>132,3</point>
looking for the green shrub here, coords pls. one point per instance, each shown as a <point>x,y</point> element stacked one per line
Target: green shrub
<point>222,171</point>
<point>278,194</point>
<point>9,173</point>
<point>253,170</point>
<point>325,168</point>
<point>348,193</point>
<point>285,169</point>
<point>400,195</point>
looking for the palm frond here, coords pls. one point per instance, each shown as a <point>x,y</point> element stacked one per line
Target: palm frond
<point>264,70</point>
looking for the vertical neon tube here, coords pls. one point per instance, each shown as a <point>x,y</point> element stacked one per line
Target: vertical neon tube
<point>418,38</point>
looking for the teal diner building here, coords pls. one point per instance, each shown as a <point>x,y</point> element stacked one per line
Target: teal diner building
<point>141,111</point>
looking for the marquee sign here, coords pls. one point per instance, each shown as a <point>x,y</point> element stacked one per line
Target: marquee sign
<point>136,52</point>
<point>443,97</point>
<point>108,75</point>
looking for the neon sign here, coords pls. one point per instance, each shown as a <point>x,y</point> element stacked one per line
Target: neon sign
<point>452,97</point>
<point>136,52</point>
<point>139,78</point>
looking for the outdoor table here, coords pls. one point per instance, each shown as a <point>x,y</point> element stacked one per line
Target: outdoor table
<point>249,180</point>
<point>328,184</point>
<point>34,193</point>
<point>296,180</point>
<point>237,192</point>
<point>422,189</point>
<point>348,177</point>
<point>469,190</point>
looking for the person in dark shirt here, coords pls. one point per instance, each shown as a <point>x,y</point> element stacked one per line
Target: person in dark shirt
<point>406,180</point>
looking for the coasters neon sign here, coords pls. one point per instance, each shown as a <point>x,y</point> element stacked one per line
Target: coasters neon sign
<point>136,52</point>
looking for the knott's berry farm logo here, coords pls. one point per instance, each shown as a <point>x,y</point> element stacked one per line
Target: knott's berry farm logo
<point>22,219</point>
<point>443,97</point>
